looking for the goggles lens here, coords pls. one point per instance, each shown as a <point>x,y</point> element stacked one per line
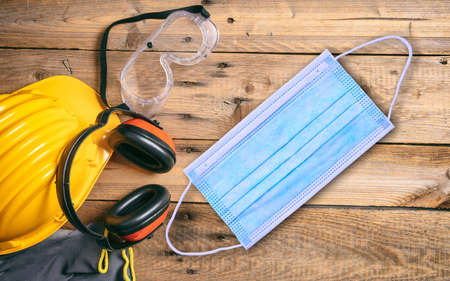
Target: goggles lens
<point>143,86</point>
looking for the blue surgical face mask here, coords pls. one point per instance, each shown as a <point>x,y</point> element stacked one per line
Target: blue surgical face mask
<point>288,149</point>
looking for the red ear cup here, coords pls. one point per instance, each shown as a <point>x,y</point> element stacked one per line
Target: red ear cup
<point>153,130</point>
<point>144,144</point>
<point>140,213</point>
<point>146,231</point>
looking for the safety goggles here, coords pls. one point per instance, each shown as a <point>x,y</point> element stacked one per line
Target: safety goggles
<point>135,83</point>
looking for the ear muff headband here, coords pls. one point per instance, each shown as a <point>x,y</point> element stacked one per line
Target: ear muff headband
<point>63,183</point>
<point>63,178</point>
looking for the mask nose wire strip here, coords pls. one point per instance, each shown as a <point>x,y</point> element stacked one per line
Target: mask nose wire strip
<point>408,62</point>
<point>190,253</point>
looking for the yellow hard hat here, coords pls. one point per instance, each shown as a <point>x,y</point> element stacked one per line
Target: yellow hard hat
<point>36,124</point>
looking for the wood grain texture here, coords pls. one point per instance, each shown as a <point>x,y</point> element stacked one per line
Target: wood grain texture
<point>245,26</point>
<point>262,45</point>
<point>208,99</point>
<point>387,175</point>
<point>312,244</point>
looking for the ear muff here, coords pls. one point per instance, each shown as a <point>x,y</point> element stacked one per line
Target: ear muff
<point>141,212</point>
<point>144,144</point>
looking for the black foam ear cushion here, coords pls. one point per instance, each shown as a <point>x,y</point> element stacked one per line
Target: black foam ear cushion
<point>142,148</point>
<point>137,210</point>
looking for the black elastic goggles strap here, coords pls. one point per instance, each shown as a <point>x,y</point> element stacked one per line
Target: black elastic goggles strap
<point>196,9</point>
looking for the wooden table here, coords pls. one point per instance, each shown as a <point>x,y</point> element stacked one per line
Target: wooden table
<point>384,218</point>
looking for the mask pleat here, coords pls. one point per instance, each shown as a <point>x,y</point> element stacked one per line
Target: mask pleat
<point>305,145</point>
<point>303,137</point>
<point>268,138</point>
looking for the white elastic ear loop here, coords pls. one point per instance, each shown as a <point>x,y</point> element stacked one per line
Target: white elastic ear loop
<point>191,253</point>
<point>408,62</point>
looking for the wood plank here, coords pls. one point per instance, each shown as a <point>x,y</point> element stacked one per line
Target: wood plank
<point>210,98</point>
<point>245,26</point>
<point>387,175</point>
<point>312,244</point>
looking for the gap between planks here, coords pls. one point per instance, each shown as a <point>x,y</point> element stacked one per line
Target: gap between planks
<point>223,52</point>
